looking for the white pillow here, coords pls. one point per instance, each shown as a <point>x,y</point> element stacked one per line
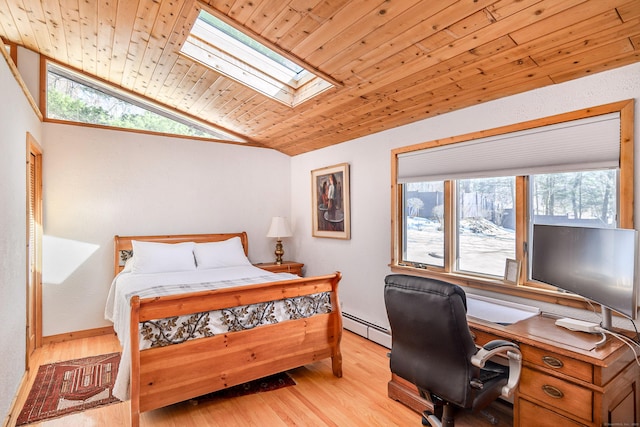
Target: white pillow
<point>227,253</point>
<point>151,257</point>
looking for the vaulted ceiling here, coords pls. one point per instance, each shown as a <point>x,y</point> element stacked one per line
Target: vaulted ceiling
<point>397,61</point>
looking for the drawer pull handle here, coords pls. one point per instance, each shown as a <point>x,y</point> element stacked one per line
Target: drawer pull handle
<point>552,391</point>
<point>552,362</point>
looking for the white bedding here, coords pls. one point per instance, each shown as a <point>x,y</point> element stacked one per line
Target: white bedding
<point>127,284</point>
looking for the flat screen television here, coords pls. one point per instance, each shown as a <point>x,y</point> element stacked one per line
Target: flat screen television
<point>595,263</point>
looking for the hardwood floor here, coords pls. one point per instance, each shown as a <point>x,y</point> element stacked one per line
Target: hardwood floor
<point>359,398</point>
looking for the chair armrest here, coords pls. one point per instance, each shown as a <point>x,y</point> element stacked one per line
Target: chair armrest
<point>491,349</point>
<point>511,351</point>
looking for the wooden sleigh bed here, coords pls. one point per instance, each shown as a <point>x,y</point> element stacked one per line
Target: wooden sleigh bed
<point>164,375</point>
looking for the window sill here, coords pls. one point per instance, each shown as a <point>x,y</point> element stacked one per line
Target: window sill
<point>494,285</point>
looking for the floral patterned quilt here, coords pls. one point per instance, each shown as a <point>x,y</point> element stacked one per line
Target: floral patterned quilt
<point>175,330</point>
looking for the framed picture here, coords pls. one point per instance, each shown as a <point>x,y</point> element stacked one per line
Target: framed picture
<point>512,271</point>
<point>330,202</point>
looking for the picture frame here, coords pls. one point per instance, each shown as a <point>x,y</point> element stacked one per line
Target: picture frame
<point>512,271</point>
<point>330,202</point>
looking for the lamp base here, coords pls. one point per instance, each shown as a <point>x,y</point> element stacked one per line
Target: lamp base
<point>279,252</point>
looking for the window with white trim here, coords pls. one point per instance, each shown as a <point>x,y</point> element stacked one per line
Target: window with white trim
<point>241,57</point>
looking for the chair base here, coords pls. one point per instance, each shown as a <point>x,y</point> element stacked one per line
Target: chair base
<point>443,416</point>
<point>446,419</point>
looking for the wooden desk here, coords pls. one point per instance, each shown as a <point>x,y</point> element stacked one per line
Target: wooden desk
<point>565,380</point>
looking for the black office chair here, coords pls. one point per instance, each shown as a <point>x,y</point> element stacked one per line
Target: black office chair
<point>432,347</point>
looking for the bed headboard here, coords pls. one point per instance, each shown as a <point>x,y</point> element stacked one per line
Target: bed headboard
<point>124,249</point>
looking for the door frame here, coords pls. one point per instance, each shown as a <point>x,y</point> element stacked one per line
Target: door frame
<point>33,329</point>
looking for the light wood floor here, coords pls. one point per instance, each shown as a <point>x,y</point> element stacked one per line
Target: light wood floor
<point>359,398</point>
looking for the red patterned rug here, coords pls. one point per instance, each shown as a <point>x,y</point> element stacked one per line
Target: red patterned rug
<point>76,385</point>
<point>72,386</point>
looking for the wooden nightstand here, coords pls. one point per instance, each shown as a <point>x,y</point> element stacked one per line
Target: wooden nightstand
<point>286,267</point>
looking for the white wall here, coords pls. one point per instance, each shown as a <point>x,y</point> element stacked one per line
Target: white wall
<point>99,183</point>
<point>16,119</point>
<point>364,259</point>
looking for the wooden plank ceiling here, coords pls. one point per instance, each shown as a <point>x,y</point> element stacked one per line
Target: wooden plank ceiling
<point>398,61</point>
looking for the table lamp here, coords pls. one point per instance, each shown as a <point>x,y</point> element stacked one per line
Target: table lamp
<point>279,229</point>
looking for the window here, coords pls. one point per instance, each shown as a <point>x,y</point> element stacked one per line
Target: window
<point>226,50</point>
<point>582,199</point>
<point>77,98</point>
<point>424,223</point>
<point>464,207</point>
<point>485,224</point>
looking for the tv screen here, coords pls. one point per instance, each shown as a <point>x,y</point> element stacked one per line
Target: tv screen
<point>596,263</point>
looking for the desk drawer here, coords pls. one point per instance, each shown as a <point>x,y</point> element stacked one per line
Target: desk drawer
<point>549,360</point>
<point>560,394</point>
<point>530,414</point>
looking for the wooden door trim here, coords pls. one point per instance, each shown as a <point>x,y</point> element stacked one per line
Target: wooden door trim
<point>33,148</point>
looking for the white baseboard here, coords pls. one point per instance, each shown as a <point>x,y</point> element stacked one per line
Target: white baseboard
<point>367,330</point>
<point>381,338</point>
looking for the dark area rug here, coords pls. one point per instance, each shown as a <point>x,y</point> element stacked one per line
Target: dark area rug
<point>72,386</point>
<point>270,383</point>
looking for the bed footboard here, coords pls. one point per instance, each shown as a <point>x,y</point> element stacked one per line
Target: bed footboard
<point>165,375</point>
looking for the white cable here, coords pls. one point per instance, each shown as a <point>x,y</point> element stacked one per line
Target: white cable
<point>603,340</point>
<point>622,337</point>
<point>626,340</point>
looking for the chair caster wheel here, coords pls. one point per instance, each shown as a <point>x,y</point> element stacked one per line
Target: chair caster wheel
<point>425,419</point>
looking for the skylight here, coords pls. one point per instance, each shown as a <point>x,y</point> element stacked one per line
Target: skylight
<point>240,57</point>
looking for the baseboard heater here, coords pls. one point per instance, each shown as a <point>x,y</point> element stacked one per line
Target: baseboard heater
<point>369,330</point>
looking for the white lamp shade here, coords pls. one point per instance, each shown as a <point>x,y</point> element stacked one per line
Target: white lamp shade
<point>279,228</point>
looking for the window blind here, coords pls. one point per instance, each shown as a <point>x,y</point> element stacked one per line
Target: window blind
<point>584,144</point>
